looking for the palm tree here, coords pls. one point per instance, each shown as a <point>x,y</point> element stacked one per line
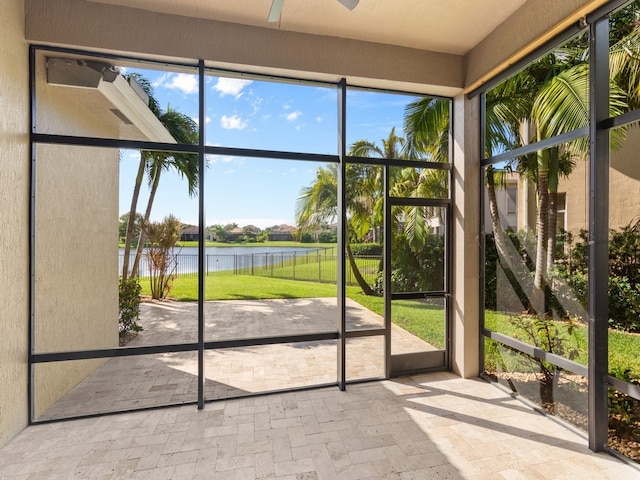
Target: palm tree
<point>318,204</point>
<point>561,105</point>
<point>426,125</point>
<point>184,130</point>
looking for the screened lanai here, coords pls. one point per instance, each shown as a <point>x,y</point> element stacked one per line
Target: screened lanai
<point>370,195</point>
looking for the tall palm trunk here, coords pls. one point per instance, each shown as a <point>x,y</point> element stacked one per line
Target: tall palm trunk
<point>501,241</point>
<point>542,234</point>
<point>132,215</point>
<point>553,207</point>
<point>145,221</point>
<point>366,288</point>
<point>499,237</point>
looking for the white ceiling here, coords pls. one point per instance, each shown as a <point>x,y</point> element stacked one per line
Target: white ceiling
<point>449,26</point>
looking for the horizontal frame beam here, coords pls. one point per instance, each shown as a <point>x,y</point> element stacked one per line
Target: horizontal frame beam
<point>181,347</point>
<point>534,147</point>
<point>537,353</point>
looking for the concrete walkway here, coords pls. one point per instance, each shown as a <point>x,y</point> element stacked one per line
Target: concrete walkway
<point>433,426</point>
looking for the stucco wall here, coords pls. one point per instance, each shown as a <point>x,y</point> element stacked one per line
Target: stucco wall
<point>624,194</point>
<point>76,289</point>
<point>14,199</point>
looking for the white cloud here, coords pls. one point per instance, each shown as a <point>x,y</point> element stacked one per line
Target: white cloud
<point>197,120</point>
<point>319,119</point>
<point>255,104</point>
<point>293,115</point>
<point>231,86</point>
<point>233,122</point>
<point>179,81</point>
<point>213,159</point>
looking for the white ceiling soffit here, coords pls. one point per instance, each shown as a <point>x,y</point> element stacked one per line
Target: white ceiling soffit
<point>130,101</point>
<point>448,26</point>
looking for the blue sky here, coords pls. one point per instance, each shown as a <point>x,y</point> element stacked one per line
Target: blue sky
<point>255,114</point>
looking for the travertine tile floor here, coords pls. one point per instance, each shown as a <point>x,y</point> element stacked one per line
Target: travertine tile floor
<point>125,383</point>
<point>432,426</point>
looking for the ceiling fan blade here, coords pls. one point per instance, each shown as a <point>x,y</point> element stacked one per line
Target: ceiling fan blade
<point>276,10</point>
<point>350,4</point>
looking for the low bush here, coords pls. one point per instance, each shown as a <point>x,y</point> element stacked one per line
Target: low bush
<point>366,249</point>
<point>129,303</point>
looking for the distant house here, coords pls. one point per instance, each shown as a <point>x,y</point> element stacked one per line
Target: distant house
<point>234,234</point>
<point>247,232</point>
<point>282,233</point>
<point>190,233</point>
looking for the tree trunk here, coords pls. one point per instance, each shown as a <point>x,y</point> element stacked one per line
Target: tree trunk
<point>132,215</point>
<point>553,207</point>
<point>498,232</point>
<point>501,241</point>
<point>551,240</point>
<point>366,289</point>
<point>542,236</point>
<point>147,214</point>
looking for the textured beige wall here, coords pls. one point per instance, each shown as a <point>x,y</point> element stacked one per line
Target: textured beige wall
<point>535,23</point>
<point>624,194</point>
<point>76,291</point>
<point>466,245</point>
<point>14,199</point>
<point>94,25</point>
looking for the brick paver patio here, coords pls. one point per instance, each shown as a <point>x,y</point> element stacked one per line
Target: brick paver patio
<point>432,426</point>
<point>124,383</point>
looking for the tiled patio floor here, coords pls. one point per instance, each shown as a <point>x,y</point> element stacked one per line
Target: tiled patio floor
<point>432,426</point>
<point>125,383</point>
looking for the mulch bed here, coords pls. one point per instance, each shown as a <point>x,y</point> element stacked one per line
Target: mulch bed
<point>624,437</point>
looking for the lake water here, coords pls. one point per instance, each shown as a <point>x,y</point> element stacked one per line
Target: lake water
<point>230,258</point>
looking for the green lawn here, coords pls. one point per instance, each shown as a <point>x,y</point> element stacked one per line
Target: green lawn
<point>624,348</point>
<point>423,319</point>
<point>316,267</point>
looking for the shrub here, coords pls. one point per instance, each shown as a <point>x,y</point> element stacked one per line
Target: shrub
<point>366,249</point>
<point>553,337</point>
<point>129,303</point>
<point>621,406</point>
<point>327,237</point>
<point>624,304</point>
<point>307,238</point>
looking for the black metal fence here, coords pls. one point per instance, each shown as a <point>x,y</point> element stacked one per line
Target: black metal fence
<point>313,266</point>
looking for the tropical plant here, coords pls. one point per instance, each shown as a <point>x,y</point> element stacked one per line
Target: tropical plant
<point>551,337</point>
<point>163,237</point>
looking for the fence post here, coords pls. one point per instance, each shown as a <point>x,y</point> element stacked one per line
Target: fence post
<point>252,264</point>
<point>294,265</point>
<point>272,262</point>
<point>319,267</point>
